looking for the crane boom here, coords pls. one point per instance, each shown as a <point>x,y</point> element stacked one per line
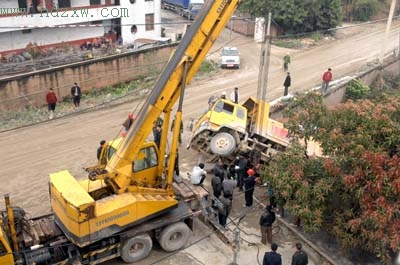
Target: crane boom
<point>136,183</point>
<point>191,51</point>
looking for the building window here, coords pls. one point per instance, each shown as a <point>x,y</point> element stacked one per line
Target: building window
<point>95,2</point>
<point>64,3</point>
<point>149,22</point>
<point>25,31</point>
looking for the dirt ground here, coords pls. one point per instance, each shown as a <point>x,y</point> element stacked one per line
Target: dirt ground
<point>29,154</point>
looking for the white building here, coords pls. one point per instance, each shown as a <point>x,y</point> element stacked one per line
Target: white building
<point>51,22</point>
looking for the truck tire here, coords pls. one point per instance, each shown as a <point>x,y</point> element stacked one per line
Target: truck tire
<point>174,236</point>
<point>223,144</point>
<point>136,248</point>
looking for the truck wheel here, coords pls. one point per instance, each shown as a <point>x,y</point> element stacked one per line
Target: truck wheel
<point>136,248</point>
<point>223,144</point>
<point>174,237</point>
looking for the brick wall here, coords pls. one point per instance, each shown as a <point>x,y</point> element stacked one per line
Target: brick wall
<point>29,89</point>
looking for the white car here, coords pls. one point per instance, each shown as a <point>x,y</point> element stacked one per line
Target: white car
<point>230,57</point>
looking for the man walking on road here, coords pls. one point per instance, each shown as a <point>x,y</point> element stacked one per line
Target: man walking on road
<point>299,257</point>
<point>286,62</point>
<point>326,78</point>
<point>272,258</point>
<point>287,84</point>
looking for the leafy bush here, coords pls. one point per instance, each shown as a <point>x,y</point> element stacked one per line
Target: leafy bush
<point>356,90</point>
<point>363,10</point>
<point>207,66</point>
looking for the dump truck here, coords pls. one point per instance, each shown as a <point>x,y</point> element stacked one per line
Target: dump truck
<point>131,197</point>
<point>185,8</point>
<point>227,130</point>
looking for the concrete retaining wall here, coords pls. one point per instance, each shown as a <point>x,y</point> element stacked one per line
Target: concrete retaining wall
<point>368,76</point>
<point>29,89</point>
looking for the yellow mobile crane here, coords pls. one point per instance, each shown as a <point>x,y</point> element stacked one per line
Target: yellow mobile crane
<point>131,200</point>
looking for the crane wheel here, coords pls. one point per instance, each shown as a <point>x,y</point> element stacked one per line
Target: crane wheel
<point>136,248</point>
<point>223,144</point>
<point>174,236</point>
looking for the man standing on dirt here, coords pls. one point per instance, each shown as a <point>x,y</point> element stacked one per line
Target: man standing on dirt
<point>76,94</point>
<point>287,84</point>
<point>326,78</point>
<point>51,100</point>
<point>242,166</point>
<point>299,257</point>
<point>249,185</point>
<point>266,221</point>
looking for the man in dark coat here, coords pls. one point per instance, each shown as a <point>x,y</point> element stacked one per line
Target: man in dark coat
<point>100,148</point>
<point>76,94</point>
<point>224,209</point>
<point>272,258</point>
<point>219,169</point>
<point>216,184</point>
<point>287,84</point>
<point>242,166</point>
<point>266,221</point>
<point>299,257</point>
<point>249,184</point>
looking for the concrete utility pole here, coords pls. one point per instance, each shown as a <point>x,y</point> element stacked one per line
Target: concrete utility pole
<point>387,31</point>
<point>264,62</point>
<point>263,108</point>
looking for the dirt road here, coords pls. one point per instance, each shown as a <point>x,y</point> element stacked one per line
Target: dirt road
<point>29,154</point>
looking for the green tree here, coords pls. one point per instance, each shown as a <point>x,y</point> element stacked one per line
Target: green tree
<point>296,16</point>
<point>354,188</point>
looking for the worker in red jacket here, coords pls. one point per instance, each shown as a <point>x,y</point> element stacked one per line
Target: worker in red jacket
<point>51,99</point>
<point>326,78</point>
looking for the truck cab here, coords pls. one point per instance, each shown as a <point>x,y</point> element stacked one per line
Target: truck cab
<point>221,129</point>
